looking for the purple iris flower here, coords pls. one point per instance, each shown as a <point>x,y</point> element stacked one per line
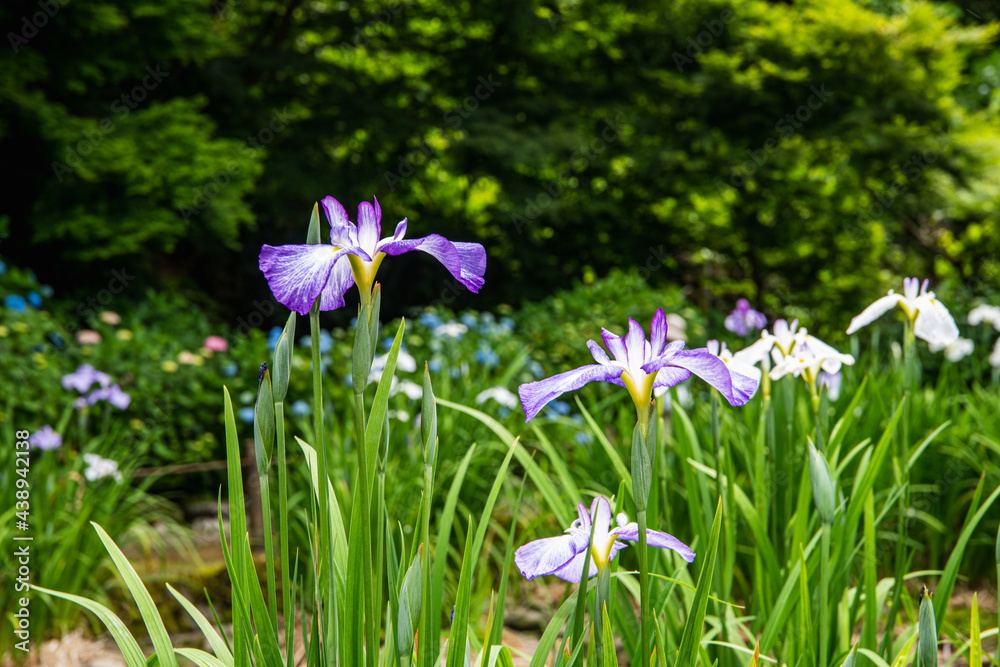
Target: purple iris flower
<point>113,395</point>
<point>298,274</point>
<point>85,376</point>
<point>744,319</point>
<point>45,439</point>
<point>641,366</point>
<point>563,556</point>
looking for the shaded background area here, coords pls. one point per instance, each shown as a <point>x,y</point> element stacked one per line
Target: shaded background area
<point>801,154</point>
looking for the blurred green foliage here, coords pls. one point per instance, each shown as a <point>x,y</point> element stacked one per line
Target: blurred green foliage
<point>803,154</point>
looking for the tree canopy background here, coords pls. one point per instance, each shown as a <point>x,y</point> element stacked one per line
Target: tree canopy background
<point>803,154</point>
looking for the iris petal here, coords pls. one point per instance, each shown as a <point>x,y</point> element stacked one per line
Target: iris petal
<point>600,356</point>
<point>369,227</point>
<point>547,555</point>
<point>297,274</point>
<point>571,571</point>
<point>709,368</point>
<point>615,345</point>
<point>465,261</point>
<point>876,310</point>
<point>658,332</point>
<point>935,324</point>
<point>655,538</point>
<point>534,395</point>
<point>342,230</point>
<point>341,279</point>
<point>635,345</point>
<point>669,376</point>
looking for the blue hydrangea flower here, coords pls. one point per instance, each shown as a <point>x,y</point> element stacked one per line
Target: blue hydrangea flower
<point>35,299</point>
<point>431,320</point>
<point>47,290</point>
<point>16,303</point>
<point>564,556</point>
<point>245,415</point>
<point>487,357</point>
<point>300,408</point>
<point>3,267</point>
<point>272,337</point>
<point>230,369</point>
<point>469,320</point>
<point>559,408</point>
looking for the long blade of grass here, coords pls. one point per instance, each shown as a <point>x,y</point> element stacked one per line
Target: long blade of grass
<point>687,654</point>
<point>975,641</point>
<point>784,604</point>
<point>355,584</point>
<point>376,418</point>
<point>200,658</point>
<point>460,623</point>
<point>147,608</point>
<point>267,634</point>
<point>441,548</point>
<point>551,633</point>
<point>539,478</point>
<point>610,657</point>
<point>126,642</point>
<point>336,517</point>
<point>237,528</point>
<point>222,651</point>
<point>616,460</point>
<point>947,583</point>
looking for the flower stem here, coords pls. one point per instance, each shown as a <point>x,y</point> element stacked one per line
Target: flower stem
<point>369,619</point>
<point>286,588</point>
<point>643,589</point>
<point>322,514</point>
<point>425,652</point>
<point>824,596</point>
<point>265,501</point>
<point>601,596</point>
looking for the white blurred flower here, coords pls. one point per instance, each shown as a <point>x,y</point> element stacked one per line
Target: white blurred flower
<point>995,355</point>
<point>779,344</point>
<point>501,395</point>
<point>676,327</point>
<point>985,313</point>
<point>451,330</point>
<point>412,390</point>
<point>832,382</point>
<point>957,350</point>
<point>404,362</point>
<point>930,318</point>
<point>99,467</point>
<point>739,365</point>
<point>683,396</point>
<point>809,358</point>
<point>401,415</point>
